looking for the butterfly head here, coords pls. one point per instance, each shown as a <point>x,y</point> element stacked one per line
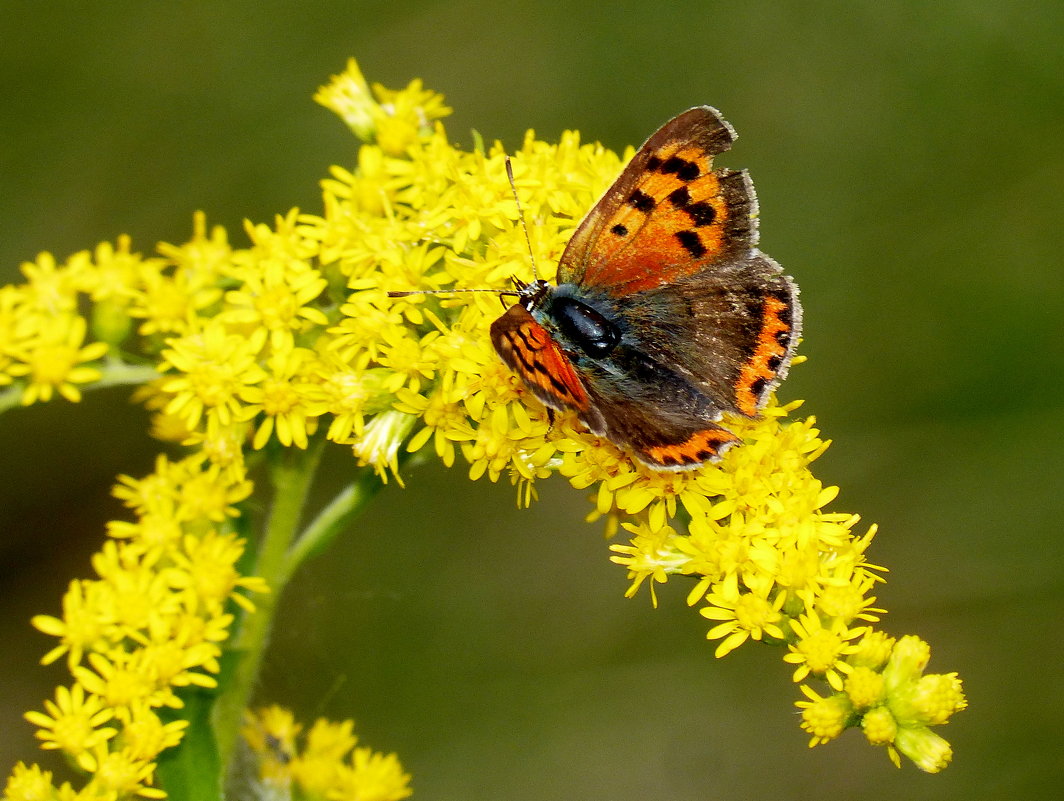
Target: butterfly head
<point>532,294</point>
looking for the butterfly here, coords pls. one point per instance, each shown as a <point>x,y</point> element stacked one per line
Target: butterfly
<point>666,316</point>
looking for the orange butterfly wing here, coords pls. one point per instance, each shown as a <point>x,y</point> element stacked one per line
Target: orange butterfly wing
<point>529,350</point>
<point>668,215</point>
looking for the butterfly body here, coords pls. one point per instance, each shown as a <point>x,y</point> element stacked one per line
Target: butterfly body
<point>666,315</point>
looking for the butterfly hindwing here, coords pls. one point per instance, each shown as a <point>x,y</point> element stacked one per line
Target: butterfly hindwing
<point>668,215</point>
<point>730,330</point>
<point>626,391</point>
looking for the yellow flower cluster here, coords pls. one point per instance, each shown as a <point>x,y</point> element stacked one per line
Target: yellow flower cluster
<point>151,624</point>
<point>770,563</point>
<point>294,339</point>
<point>324,762</point>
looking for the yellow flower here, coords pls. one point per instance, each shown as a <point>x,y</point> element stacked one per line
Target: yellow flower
<point>348,393</point>
<point>54,360</point>
<point>213,367</point>
<point>749,615</point>
<point>171,291</point>
<point>285,398</point>
<point>317,761</point>
<point>171,657</point>
<point>82,626</point>
<point>927,750</point>
<point>271,733</point>
<point>200,260</point>
<point>318,767</point>
<point>348,95</point>
<point>223,448</point>
<point>873,650</point>
<point>122,684</point>
<point>371,776</point>
<point>380,443</point>
<point>74,722</point>
<point>824,718</point>
<point>144,736</point>
<point>886,693</point>
<point>821,649</point>
<point>880,728</point>
<point>865,687</point>
<point>121,773</point>
<point>135,592</point>
<point>207,493</point>
<point>111,273</point>
<point>154,533</point>
<point>277,285</point>
<point>51,288</point>
<point>916,699</point>
<point>167,301</point>
<point>29,783</point>
<point>205,567</point>
<point>652,554</point>
<point>13,328</point>
<point>393,118</point>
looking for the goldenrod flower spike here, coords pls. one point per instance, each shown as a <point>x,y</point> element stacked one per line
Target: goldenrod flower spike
<point>261,355</point>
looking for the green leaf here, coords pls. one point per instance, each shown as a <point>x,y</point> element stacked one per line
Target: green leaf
<point>193,770</point>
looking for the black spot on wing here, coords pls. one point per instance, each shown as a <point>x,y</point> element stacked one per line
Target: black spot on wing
<point>701,213</point>
<point>682,168</point>
<point>641,201</point>
<point>757,387</point>
<point>692,243</point>
<point>680,197</point>
<point>619,230</point>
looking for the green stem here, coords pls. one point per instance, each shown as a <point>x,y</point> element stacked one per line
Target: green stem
<point>291,477</point>
<point>113,373</point>
<point>333,519</point>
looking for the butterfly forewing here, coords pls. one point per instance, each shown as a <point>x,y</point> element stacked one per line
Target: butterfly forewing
<point>668,215</point>
<point>529,350</point>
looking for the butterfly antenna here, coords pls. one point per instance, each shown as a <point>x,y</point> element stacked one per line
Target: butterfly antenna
<point>521,217</point>
<point>518,284</point>
<point>409,292</point>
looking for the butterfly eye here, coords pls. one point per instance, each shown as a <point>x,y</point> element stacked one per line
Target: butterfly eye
<point>584,327</point>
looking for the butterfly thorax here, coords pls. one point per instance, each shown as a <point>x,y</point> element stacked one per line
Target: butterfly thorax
<point>579,325</point>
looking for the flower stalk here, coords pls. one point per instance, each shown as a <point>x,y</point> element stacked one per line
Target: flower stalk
<point>291,477</point>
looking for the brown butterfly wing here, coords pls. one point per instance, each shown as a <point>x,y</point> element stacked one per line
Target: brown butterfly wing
<point>619,398</point>
<point>668,215</point>
<point>674,435</point>
<point>730,331</point>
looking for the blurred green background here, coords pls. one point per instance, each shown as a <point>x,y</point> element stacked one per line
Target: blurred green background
<point>909,165</point>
